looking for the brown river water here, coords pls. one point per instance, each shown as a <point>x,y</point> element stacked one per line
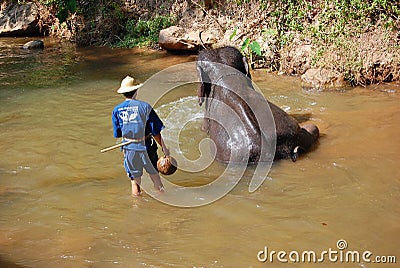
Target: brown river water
<point>64,204</point>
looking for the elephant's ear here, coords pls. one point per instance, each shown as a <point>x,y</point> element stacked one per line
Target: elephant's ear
<point>205,85</point>
<point>246,66</point>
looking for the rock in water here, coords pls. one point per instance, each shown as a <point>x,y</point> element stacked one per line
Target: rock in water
<point>35,44</point>
<point>321,79</point>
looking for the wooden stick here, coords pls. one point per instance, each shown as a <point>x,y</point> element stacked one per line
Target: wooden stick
<point>115,146</point>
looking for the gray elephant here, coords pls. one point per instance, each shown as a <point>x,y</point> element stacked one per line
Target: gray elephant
<point>229,95</point>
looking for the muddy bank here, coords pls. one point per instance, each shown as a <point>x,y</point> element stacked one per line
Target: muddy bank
<point>346,42</point>
<point>358,56</point>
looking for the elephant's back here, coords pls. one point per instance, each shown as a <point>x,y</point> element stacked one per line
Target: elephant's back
<point>285,124</point>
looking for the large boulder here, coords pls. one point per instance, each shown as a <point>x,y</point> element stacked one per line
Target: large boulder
<point>320,79</point>
<point>176,38</point>
<point>19,20</point>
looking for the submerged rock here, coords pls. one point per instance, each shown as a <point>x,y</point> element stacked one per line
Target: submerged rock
<point>19,20</point>
<point>35,44</point>
<point>177,38</point>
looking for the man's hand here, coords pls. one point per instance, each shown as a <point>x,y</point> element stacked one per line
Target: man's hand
<point>160,141</point>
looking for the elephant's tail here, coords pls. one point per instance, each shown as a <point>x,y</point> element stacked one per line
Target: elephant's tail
<point>201,40</point>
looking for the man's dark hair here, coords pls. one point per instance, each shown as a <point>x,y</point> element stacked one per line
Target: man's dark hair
<point>130,94</point>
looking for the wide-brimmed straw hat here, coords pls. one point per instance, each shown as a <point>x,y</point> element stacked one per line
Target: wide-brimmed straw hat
<point>128,84</point>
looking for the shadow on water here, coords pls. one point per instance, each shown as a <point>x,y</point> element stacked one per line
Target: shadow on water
<point>4,263</point>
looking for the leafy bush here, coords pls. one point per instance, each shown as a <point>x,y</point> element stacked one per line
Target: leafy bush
<point>64,8</point>
<point>327,19</point>
<point>358,38</point>
<point>144,33</point>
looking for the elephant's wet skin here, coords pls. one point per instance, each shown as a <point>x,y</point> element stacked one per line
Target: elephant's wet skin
<point>229,56</point>
<point>242,142</point>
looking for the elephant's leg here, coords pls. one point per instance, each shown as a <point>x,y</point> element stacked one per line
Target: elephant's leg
<point>205,126</point>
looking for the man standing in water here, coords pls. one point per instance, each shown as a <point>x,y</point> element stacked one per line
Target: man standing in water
<point>136,121</point>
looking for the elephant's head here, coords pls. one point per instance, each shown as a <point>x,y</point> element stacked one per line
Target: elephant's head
<point>210,67</point>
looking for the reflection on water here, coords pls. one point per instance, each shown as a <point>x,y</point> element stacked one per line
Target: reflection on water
<point>64,204</point>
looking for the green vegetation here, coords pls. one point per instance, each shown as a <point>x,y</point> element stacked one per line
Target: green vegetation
<point>357,38</point>
<point>325,20</point>
<point>108,22</point>
<point>64,8</point>
<point>249,47</point>
<point>144,33</point>
<point>341,33</point>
